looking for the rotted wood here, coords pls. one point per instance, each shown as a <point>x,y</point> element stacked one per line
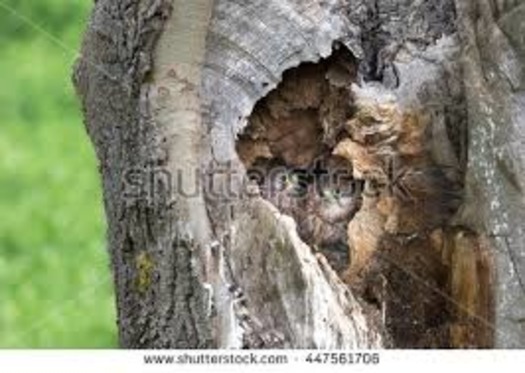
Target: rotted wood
<point>200,260</point>
<point>166,85</point>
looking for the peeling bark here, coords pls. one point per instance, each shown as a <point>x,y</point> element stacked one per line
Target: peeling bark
<point>183,98</point>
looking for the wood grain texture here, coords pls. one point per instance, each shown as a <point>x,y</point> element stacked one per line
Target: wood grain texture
<point>167,86</point>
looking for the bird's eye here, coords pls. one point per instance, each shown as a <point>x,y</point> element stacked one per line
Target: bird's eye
<point>329,195</point>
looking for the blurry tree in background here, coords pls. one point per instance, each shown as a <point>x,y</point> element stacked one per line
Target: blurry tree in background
<point>54,276</point>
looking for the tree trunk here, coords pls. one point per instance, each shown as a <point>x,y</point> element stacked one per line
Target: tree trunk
<point>184,99</point>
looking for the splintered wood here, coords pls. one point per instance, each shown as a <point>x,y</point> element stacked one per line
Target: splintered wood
<point>432,282</point>
<point>428,281</point>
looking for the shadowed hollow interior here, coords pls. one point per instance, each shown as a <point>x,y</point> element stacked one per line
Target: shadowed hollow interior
<point>317,155</point>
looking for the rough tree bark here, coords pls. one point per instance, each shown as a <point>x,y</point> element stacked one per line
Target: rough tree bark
<point>200,260</point>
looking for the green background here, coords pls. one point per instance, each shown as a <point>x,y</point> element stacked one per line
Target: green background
<point>55,284</point>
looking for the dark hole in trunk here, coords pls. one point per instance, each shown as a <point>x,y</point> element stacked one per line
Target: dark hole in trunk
<point>409,262</point>
<point>287,147</point>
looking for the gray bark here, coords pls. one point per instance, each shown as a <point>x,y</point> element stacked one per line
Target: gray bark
<point>494,67</point>
<point>168,85</point>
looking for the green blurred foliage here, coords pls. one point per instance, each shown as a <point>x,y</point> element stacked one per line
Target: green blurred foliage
<point>55,17</point>
<point>55,285</point>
